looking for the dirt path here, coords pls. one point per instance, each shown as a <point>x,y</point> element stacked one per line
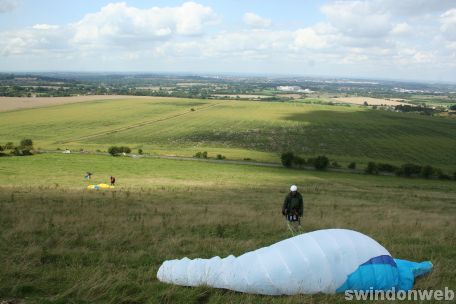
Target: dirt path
<point>136,125</point>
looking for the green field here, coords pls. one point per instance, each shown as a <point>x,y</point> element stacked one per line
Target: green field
<point>238,130</point>
<point>61,243</point>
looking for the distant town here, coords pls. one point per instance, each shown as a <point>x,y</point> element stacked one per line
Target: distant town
<point>427,98</point>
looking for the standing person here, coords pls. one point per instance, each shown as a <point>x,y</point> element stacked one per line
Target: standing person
<point>112,180</point>
<point>293,209</point>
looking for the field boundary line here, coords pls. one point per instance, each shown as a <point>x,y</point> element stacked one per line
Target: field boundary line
<point>137,125</point>
<point>210,160</point>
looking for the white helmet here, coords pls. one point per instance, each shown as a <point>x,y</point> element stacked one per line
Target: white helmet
<point>293,188</point>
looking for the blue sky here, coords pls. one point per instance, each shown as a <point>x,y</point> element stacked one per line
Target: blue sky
<point>407,39</point>
<point>27,13</point>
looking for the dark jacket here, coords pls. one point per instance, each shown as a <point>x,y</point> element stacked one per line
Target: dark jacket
<point>293,204</point>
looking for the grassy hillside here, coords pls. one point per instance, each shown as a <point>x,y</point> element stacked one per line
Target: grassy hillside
<point>238,129</point>
<point>61,243</point>
<point>344,132</point>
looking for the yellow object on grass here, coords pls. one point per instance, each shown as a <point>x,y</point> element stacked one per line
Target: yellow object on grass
<point>100,186</point>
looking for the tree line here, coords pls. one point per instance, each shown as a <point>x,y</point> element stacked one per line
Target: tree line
<point>290,160</point>
<point>24,148</point>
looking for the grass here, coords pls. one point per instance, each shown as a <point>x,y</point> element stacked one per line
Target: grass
<point>238,130</point>
<point>432,100</point>
<point>61,243</point>
<point>50,124</point>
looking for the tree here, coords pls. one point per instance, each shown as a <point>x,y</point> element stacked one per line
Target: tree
<point>427,171</point>
<point>298,161</point>
<point>352,165</point>
<point>442,175</point>
<point>335,164</point>
<point>17,152</point>
<point>200,154</point>
<point>140,151</point>
<point>408,170</point>
<point>124,149</point>
<point>287,159</point>
<point>371,168</point>
<point>321,163</point>
<point>386,167</point>
<point>453,107</point>
<point>26,145</point>
<point>114,150</point>
<point>311,161</point>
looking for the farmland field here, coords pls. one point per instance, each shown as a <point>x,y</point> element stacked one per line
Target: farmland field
<point>238,130</point>
<point>369,100</point>
<point>15,103</point>
<point>61,243</point>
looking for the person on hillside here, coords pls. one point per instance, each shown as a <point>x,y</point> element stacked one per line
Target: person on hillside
<point>88,175</point>
<point>293,209</point>
<point>112,180</point>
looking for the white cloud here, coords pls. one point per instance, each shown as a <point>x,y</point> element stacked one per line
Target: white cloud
<point>40,38</point>
<point>7,5</point>
<point>357,19</point>
<point>44,26</point>
<point>114,26</point>
<point>254,21</point>
<point>423,57</point>
<point>309,38</point>
<point>242,45</point>
<point>402,29</point>
<point>452,45</point>
<point>249,42</point>
<point>448,21</point>
<point>411,7</point>
<point>118,23</point>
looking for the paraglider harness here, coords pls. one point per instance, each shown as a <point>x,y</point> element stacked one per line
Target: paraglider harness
<point>293,216</point>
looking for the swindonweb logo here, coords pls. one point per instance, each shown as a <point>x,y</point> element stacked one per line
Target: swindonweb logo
<point>393,295</point>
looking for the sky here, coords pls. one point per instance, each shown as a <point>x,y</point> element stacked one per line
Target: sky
<point>378,39</point>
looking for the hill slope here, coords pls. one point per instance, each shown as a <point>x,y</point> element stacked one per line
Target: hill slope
<point>238,129</point>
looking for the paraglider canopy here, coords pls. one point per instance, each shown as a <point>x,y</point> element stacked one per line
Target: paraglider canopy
<point>100,186</point>
<point>326,261</point>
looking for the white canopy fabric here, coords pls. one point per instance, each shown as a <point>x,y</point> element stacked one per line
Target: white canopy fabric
<point>326,261</point>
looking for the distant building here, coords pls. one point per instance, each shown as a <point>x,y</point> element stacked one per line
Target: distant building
<point>289,88</point>
<point>296,89</point>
